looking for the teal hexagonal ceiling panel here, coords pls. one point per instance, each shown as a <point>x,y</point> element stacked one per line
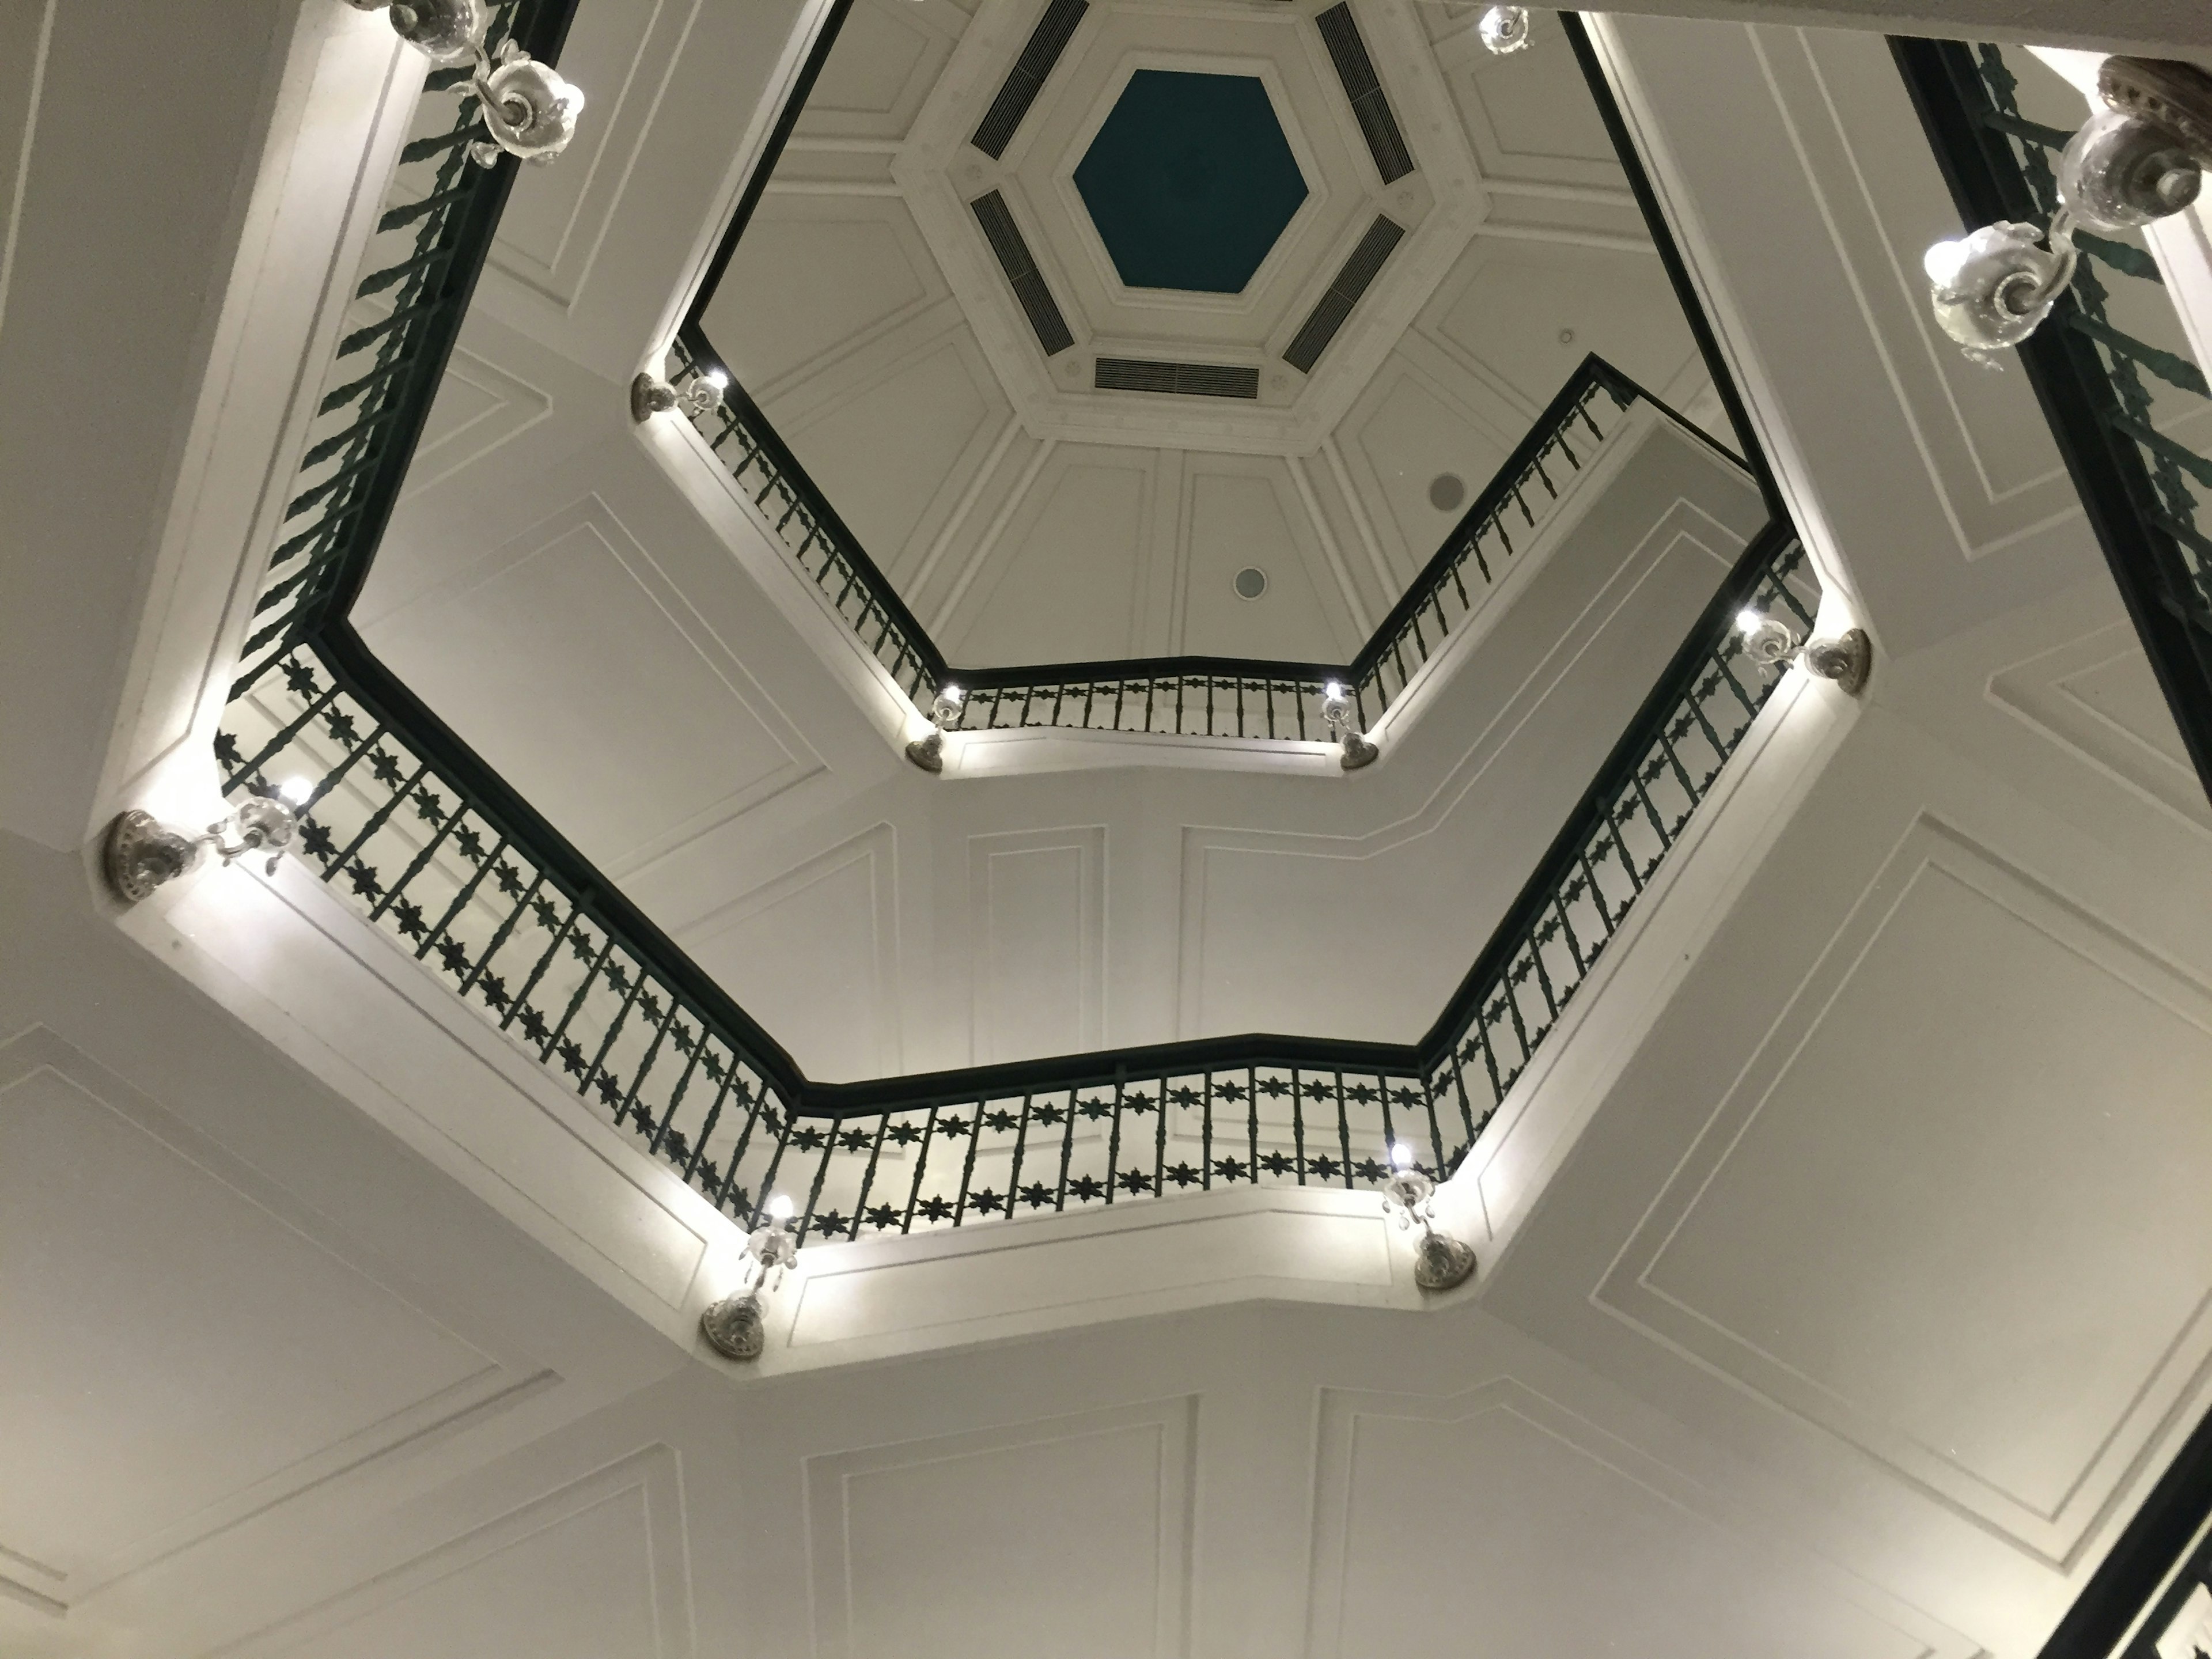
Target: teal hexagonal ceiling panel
<point>1190,180</point>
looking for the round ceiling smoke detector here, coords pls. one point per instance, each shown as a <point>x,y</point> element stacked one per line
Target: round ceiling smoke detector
<point>1251,582</point>
<point>1446,491</point>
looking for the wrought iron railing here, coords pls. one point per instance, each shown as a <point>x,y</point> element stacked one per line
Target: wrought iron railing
<point>2113,400</point>
<point>420,269</point>
<point>409,827</point>
<point>427,844</point>
<point>1185,696</point>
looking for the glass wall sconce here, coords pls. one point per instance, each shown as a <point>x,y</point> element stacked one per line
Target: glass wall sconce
<point>1336,712</point>
<point>735,1325</point>
<point>929,752</point>
<point>1503,29</point>
<point>1440,1261</point>
<point>1846,660</point>
<point>2141,159</point>
<point>140,854</point>
<point>527,109</point>
<point>650,395</point>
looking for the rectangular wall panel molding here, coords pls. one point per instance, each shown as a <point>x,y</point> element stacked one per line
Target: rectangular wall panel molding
<point>1351,280</point>
<point>1363,87</point>
<point>1027,78</point>
<point>1021,273</point>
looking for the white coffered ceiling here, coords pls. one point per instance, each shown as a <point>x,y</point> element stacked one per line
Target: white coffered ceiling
<point>1858,1295</point>
<point>1026,515</point>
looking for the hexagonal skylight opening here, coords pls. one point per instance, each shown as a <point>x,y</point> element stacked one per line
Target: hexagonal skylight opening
<point>1190,181</point>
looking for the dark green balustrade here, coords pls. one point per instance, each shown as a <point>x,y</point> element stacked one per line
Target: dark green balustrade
<point>2127,414</point>
<point>429,845</point>
<point>1181,696</point>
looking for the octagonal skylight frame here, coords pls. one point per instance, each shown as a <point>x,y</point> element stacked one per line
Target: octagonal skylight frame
<point>1440,203</point>
<point>1310,212</point>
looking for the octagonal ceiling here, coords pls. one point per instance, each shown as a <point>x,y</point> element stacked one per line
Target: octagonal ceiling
<point>1190,181</point>
<point>1079,314</point>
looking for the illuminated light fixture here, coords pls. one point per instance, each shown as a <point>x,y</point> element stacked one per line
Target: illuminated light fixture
<point>1336,713</point>
<point>1846,660</point>
<point>735,1325</point>
<point>528,109</point>
<point>650,395</point>
<point>1440,1261</point>
<point>141,854</point>
<point>1503,29</point>
<point>298,791</point>
<point>2142,158</point>
<point>928,751</point>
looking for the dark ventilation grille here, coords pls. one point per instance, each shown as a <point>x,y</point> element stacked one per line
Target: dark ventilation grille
<point>1351,281</point>
<point>1027,78</point>
<point>1368,106</point>
<point>1185,379</point>
<point>1021,273</point>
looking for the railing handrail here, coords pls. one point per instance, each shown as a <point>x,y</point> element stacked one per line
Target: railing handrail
<point>1593,372</point>
<point>879,586</point>
<point>1713,624</point>
<point>2104,448</point>
<point>1514,474</point>
<point>389,403</point>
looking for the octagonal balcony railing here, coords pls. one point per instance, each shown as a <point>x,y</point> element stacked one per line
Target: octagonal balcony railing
<point>429,845</point>
<point>1193,696</point>
<point>1181,696</point>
